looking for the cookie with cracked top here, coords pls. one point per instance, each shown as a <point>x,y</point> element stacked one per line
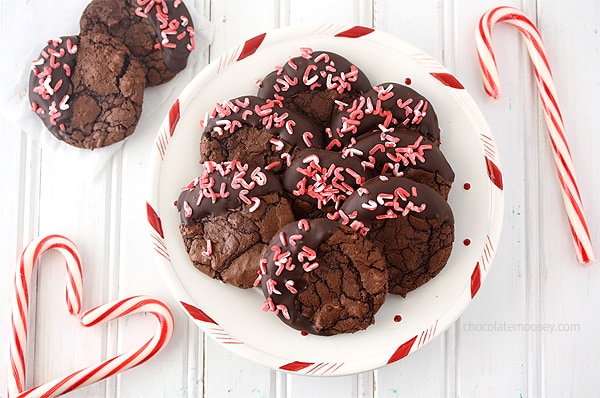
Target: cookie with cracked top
<point>314,84</point>
<point>159,34</point>
<point>411,224</point>
<point>228,215</point>
<point>87,90</point>
<point>323,278</point>
<point>258,132</point>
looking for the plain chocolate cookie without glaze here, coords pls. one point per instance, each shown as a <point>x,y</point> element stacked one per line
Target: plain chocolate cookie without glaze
<point>323,278</point>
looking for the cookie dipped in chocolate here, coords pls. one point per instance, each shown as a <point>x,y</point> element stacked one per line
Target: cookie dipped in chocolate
<point>323,278</point>
<point>159,34</point>
<point>224,186</point>
<point>404,153</point>
<point>256,131</point>
<point>228,215</point>
<point>315,83</point>
<point>411,224</point>
<point>385,106</point>
<point>50,85</point>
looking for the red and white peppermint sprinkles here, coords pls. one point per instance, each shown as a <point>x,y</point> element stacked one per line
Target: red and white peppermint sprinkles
<point>398,156</point>
<point>322,72</point>
<point>53,71</point>
<point>224,181</point>
<point>414,111</point>
<point>287,255</point>
<point>552,114</point>
<point>327,184</point>
<point>103,313</point>
<point>172,30</point>
<point>386,205</point>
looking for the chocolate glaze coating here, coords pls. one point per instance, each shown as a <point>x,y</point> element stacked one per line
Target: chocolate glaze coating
<point>390,105</point>
<point>329,279</point>
<point>177,35</point>
<point>406,153</point>
<point>50,83</point>
<point>411,223</point>
<point>256,131</point>
<point>313,82</point>
<point>224,186</point>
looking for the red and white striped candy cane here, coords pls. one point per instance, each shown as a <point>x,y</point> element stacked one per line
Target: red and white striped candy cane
<point>100,314</point>
<point>20,307</point>
<point>554,121</point>
<point>120,363</point>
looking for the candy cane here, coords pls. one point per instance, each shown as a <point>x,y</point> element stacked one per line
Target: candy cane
<point>20,307</point>
<point>100,314</point>
<point>120,363</point>
<point>554,121</point>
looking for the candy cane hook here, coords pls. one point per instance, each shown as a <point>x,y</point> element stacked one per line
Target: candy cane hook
<point>100,314</point>
<point>20,307</point>
<point>553,117</point>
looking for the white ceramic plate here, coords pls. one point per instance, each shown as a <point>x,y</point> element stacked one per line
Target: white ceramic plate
<point>234,317</point>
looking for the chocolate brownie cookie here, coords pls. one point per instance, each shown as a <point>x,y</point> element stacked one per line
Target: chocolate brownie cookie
<point>314,84</point>
<point>411,224</point>
<point>159,33</point>
<point>256,131</point>
<point>323,278</point>
<point>319,181</point>
<point>386,105</point>
<point>228,215</point>
<point>404,153</point>
<point>91,94</point>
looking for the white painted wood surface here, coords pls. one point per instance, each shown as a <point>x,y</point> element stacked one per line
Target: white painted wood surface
<point>535,279</point>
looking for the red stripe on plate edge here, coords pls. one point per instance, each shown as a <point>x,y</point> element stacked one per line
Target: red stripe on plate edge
<point>154,220</point>
<point>296,366</point>
<point>197,313</point>
<point>403,350</point>
<point>251,45</point>
<point>355,32</point>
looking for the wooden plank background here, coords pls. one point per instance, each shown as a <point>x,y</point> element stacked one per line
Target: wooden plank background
<point>534,280</point>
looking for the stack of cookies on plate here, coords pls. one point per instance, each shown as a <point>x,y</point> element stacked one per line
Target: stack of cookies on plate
<point>326,191</point>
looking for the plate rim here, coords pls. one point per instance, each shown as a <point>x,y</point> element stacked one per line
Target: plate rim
<point>203,320</point>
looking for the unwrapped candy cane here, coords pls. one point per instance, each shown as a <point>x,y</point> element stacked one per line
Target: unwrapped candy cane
<point>554,122</point>
<point>94,316</point>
